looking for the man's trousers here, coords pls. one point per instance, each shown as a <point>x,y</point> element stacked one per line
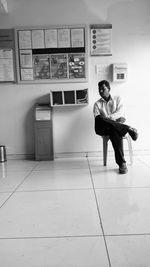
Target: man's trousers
<point>116,131</point>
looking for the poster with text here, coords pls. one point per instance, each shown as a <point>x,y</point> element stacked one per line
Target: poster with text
<point>101,40</point>
<point>6,65</point>
<point>26,74</point>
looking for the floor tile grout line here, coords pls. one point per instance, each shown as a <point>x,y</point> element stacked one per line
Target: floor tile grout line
<point>50,237</point>
<point>74,189</point>
<point>127,234</point>
<point>99,214</point>
<point>54,190</point>
<point>73,236</point>
<point>59,169</point>
<point>124,188</point>
<point>18,186</point>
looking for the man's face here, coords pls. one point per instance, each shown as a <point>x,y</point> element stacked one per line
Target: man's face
<point>104,91</point>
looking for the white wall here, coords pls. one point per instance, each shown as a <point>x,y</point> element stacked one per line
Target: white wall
<point>73,127</point>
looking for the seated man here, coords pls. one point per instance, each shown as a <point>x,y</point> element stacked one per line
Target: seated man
<point>109,119</point>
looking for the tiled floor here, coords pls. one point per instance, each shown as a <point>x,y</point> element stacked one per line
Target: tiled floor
<point>74,213</point>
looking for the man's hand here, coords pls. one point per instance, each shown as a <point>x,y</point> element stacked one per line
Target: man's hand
<point>121,120</point>
<point>102,114</point>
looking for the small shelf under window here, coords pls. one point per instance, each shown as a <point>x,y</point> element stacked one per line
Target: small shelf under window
<point>69,97</point>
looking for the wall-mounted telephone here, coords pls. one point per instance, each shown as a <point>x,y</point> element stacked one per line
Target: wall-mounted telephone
<point>119,72</point>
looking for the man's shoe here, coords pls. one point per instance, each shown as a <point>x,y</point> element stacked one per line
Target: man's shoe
<point>123,168</point>
<point>133,133</point>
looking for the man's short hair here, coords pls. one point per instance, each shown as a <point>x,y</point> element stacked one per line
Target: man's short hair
<point>103,82</point>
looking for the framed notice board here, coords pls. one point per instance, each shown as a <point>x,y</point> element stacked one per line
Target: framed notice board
<point>7,57</point>
<point>51,54</point>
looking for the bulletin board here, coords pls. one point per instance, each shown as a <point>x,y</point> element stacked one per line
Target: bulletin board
<point>51,54</point>
<point>7,56</point>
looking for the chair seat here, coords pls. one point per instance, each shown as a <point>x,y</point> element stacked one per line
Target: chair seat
<point>105,147</point>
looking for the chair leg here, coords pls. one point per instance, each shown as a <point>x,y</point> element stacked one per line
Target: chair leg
<point>105,148</point>
<point>130,150</point>
<point>128,138</point>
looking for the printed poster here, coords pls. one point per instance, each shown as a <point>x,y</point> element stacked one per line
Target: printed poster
<point>101,39</point>
<point>51,38</point>
<point>77,37</point>
<point>6,65</point>
<point>37,38</point>
<point>41,65</point>
<point>63,37</point>
<point>76,66</point>
<point>26,74</point>
<point>24,39</point>
<point>59,66</point>
<point>26,58</point>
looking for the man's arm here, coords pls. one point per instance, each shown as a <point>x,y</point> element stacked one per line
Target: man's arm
<point>118,114</point>
<point>97,111</point>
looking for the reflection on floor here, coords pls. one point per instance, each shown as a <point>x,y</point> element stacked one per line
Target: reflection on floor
<point>74,212</point>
